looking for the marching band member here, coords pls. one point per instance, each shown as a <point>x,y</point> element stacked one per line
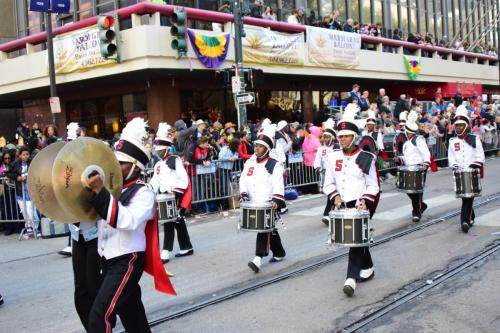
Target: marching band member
<point>377,136</point>
<point>465,151</point>
<point>328,146</point>
<point>127,239</point>
<point>170,176</point>
<point>415,152</point>
<point>258,172</point>
<point>351,180</point>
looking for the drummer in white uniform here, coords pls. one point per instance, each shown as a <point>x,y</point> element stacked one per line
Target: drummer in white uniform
<point>465,151</point>
<point>371,130</point>
<point>351,181</point>
<point>171,177</point>
<point>329,144</point>
<point>415,152</point>
<point>261,181</point>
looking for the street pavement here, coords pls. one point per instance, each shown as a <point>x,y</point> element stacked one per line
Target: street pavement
<point>37,283</point>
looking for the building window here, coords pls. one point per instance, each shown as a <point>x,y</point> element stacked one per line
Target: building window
<point>355,10</point>
<point>366,15</point>
<point>394,16</point>
<point>326,7</point>
<point>341,7</point>
<point>378,13</point>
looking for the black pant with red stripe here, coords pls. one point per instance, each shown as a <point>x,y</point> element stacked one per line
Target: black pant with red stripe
<point>268,240</point>
<point>417,203</point>
<point>120,294</point>
<point>467,213</point>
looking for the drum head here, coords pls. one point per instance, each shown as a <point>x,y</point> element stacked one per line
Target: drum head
<point>164,197</point>
<point>255,205</point>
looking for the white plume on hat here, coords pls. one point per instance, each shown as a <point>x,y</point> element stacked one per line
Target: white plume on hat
<point>135,133</point>
<point>163,135</point>
<point>282,124</point>
<point>269,131</point>
<point>462,112</point>
<point>403,116</point>
<point>72,130</point>
<point>266,122</point>
<point>411,122</point>
<point>329,124</point>
<point>349,116</point>
<point>371,117</point>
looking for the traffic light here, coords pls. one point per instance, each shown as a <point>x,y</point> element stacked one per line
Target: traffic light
<point>107,36</point>
<point>178,32</point>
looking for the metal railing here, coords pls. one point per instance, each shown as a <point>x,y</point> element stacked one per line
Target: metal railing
<point>380,44</point>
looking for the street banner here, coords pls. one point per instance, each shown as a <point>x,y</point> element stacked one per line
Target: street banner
<point>79,51</point>
<point>332,48</point>
<point>210,48</point>
<point>264,46</point>
<point>413,66</point>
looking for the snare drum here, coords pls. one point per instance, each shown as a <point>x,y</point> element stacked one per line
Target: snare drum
<point>467,183</point>
<point>411,179</point>
<point>167,208</point>
<point>350,227</point>
<point>257,217</point>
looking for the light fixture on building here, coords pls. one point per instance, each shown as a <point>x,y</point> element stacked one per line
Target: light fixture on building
<point>95,128</point>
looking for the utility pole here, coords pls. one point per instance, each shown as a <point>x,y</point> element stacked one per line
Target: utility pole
<point>239,33</point>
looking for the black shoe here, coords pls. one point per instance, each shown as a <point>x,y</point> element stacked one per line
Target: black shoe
<point>284,210</point>
<point>416,219</point>
<point>253,266</point>
<point>8,232</point>
<point>165,261</point>
<point>325,220</point>
<point>465,227</point>
<point>188,253</point>
<point>1,300</point>
<point>424,205</point>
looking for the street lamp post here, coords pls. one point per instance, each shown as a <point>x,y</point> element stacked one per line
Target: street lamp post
<point>50,51</point>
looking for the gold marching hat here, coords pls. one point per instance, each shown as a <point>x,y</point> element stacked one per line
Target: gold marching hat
<point>58,176</point>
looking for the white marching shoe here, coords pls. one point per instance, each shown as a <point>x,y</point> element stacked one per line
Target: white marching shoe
<point>255,264</point>
<point>165,256</point>
<point>67,251</point>
<point>349,287</point>
<point>366,274</point>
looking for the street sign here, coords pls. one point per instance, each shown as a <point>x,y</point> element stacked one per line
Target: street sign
<point>39,5</point>
<point>55,105</point>
<point>61,6</point>
<point>236,84</point>
<point>245,98</point>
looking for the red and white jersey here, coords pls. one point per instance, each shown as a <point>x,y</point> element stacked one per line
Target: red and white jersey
<point>169,176</point>
<point>322,156</point>
<point>462,153</point>
<point>378,137</point>
<point>260,185</point>
<point>353,177</point>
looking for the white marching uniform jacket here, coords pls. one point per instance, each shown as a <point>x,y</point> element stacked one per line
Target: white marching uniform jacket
<point>321,158</point>
<point>415,151</point>
<point>379,138</point>
<point>122,228</point>
<point>283,146</point>
<point>259,184</point>
<point>353,177</point>
<point>169,176</point>
<point>462,152</point>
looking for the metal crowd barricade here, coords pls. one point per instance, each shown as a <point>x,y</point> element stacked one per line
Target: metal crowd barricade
<point>15,208</point>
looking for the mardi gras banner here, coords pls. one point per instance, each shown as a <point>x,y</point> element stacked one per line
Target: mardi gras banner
<point>332,48</point>
<point>210,48</point>
<point>79,51</point>
<point>264,46</point>
<point>413,66</point>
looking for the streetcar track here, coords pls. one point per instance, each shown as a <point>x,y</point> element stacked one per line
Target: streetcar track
<point>428,285</point>
<point>252,286</point>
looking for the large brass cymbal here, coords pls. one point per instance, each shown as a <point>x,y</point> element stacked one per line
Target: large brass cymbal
<point>73,162</point>
<point>40,184</point>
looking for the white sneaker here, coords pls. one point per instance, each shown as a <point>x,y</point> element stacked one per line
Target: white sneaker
<point>165,256</point>
<point>255,264</point>
<point>349,287</point>
<point>366,274</point>
<point>66,251</point>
